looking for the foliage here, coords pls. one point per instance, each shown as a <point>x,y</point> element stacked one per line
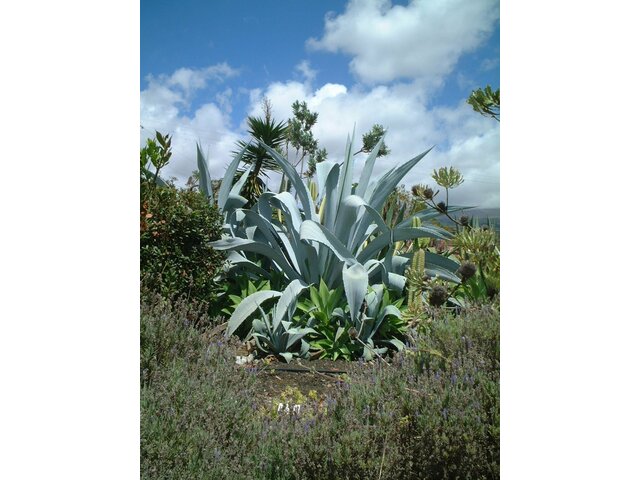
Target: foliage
<point>451,337</point>
<point>415,278</point>
<point>371,139</point>
<point>324,312</point>
<point>425,416</point>
<point>486,102</point>
<point>343,241</point>
<point>279,336</point>
<point>399,206</point>
<point>320,155</point>
<point>190,391</point>
<point>448,177</point>
<point>169,330</point>
<point>255,157</point>
<point>300,137</point>
<point>378,324</point>
<point>480,246</point>
<point>244,286</point>
<point>274,332</point>
<point>156,153</point>
<point>175,229</point>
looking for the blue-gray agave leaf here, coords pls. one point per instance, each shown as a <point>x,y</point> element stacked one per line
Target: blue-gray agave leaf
<point>355,281</point>
<point>247,307</point>
<point>205,179</point>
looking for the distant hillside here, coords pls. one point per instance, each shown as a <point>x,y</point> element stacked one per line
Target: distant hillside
<point>481,214</point>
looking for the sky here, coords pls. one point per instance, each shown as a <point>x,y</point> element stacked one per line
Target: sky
<point>410,66</point>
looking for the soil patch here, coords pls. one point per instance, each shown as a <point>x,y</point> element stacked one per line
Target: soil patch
<point>323,376</point>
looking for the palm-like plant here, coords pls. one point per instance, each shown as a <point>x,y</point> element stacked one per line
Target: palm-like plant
<point>256,158</point>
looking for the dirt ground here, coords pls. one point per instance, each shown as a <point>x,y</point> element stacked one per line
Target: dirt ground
<point>273,375</point>
<point>319,375</point>
<point>323,376</point>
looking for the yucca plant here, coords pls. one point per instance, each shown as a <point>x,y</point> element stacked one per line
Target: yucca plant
<point>256,158</point>
<point>341,237</point>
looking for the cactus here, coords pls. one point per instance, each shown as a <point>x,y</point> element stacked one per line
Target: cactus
<point>415,273</point>
<point>415,276</point>
<point>420,242</point>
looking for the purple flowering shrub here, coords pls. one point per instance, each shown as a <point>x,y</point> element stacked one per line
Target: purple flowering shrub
<point>426,415</point>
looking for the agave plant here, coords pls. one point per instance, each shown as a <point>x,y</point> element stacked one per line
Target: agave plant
<point>278,336</point>
<point>341,237</point>
<point>379,314</point>
<point>274,332</point>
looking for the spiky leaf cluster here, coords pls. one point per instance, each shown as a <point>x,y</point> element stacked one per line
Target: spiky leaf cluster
<point>256,159</point>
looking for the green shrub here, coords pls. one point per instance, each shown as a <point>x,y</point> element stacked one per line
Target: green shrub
<point>175,227</point>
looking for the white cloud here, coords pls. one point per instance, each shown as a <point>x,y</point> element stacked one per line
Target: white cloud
<point>189,80</point>
<point>422,40</point>
<point>163,106</point>
<point>463,138</point>
<point>307,72</point>
<point>224,100</point>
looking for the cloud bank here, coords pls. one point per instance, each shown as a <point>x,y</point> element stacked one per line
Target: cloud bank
<point>165,105</point>
<point>400,54</point>
<point>425,39</point>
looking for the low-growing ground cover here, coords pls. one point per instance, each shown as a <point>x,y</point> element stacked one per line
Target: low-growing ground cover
<point>433,412</point>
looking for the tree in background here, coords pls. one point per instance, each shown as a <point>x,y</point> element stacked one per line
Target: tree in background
<point>300,137</point>
<point>486,102</point>
<point>297,134</point>
<point>371,138</point>
<point>256,157</point>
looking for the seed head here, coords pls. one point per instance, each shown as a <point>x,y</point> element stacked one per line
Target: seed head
<point>422,191</point>
<point>438,296</point>
<point>442,207</point>
<point>428,193</point>
<point>466,271</point>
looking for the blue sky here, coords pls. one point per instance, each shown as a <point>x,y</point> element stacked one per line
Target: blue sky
<point>205,66</point>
